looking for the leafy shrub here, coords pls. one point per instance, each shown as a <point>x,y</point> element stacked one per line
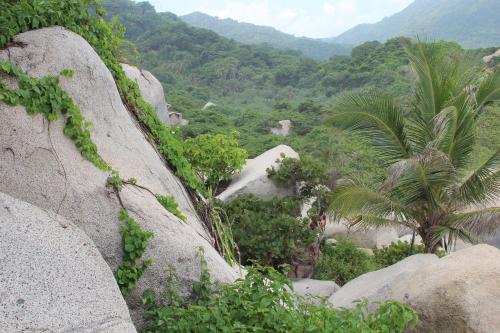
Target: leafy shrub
<point>135,241</point>
<point>342,262</point>
<point>389,255</point>
<point>293,170</point>
<point>169,203</point>
<point>268,231</point>
<point>261,303</point>
<point>215,158</point>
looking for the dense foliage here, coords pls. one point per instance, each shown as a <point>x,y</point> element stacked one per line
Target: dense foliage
<point>389,255</point>
<point>342,262</point>
<point>215,158</point>
<point>254,87</point>
<point>427,188</point>
<point>268,232</point>
<point>261,303</point>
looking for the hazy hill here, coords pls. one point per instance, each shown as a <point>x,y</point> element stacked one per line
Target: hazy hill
<point>248,33</point>
<point>472,23</point>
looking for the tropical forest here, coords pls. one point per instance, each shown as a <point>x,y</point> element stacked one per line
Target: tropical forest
<point>249,166</point>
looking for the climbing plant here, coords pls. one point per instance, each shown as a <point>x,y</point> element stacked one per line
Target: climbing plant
<point>45,96</point>
<point>135,241</point>
<point>169,203</point>
<point>85,17</point>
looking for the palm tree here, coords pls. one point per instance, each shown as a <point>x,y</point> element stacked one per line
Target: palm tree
<point>427,188</point>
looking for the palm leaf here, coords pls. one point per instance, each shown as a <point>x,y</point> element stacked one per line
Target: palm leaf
<point>487,91</point>
<point>484,221</point>
<point>483,185</point>
<point>379,120</point>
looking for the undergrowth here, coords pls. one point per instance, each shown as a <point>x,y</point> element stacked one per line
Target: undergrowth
<point>261,302</point>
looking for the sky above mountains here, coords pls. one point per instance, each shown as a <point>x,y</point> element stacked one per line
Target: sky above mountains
<point>311,18</point>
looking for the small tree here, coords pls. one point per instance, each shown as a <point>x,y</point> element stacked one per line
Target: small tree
<point>215,158</point>
<point>426,154</point>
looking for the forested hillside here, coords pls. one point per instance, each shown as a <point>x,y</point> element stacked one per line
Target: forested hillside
<point>255,86</point>
<point>472,23</point>
<point>248,33</point>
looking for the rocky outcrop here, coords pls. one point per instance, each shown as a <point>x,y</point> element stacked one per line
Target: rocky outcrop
<point>284,128</point>
<point>458,293</point>
<point>176,119</point>
<point>40,165</point>
<point>208,106</point>
<point>151,90</point>
<point>490,57</point>
<point>315,288</point>
<point>253,177</point>
<point>371,238</point>
<point>378,285</point>
<point>52,277</point>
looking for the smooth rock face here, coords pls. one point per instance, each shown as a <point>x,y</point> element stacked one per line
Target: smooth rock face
<point>363,238</point>
<point>310,287</point>
<point>377,285</point>
<point>52,277</point>
<point>459,293</point>
<point>40,165</point>
<point>151,90</point>
<point>253,178</point>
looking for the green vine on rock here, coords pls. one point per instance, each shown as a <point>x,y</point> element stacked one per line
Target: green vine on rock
<point>135,241</point>
<point>168,202</point>
<point>85,17</point>
<point>46,96</point>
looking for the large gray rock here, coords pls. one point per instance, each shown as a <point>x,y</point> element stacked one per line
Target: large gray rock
<point>457,293</point>
<point>366,238</point>
<point>253,177</point>
<point>151,90</point>
<point>40,165</point>
<point>377,285</point>
<point>315,288</point>
<point>52,277</point>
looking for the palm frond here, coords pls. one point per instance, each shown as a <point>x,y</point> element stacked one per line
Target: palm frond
<point>487,91</point>
<point>438,80</point>
<point>452,233</point>
<point>351,200</point>
<point>368,221</point>
<point>425,180</point>
<point>483,185</point>
<point>379,120</point>
<point>484,221</point>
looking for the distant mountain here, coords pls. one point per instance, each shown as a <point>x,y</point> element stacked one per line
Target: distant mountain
<point>247,33</point>
<point>472,23</point>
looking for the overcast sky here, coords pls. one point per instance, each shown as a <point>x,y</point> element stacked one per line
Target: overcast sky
<point>311,18</point>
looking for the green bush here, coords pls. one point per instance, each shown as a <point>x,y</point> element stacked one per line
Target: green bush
<point>215,158</point>
<point>261,303</point>
<point>342,262</point>
<point>389,255</point>
<point>268,231</point>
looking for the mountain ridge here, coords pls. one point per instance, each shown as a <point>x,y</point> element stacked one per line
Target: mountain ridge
<point>471,23</point>
<point>248,33</point>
